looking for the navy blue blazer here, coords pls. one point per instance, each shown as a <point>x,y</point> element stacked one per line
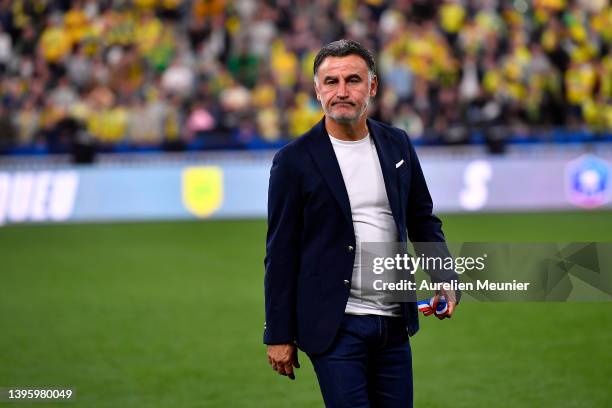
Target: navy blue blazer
<point>310,240</point>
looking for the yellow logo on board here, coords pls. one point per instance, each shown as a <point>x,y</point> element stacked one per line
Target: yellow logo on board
<point>202,190</point>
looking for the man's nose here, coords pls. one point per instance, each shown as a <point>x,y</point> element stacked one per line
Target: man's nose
<point>342,90</point>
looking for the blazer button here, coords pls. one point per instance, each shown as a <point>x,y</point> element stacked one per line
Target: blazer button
<point>350,248</point>
<point>347,283</point>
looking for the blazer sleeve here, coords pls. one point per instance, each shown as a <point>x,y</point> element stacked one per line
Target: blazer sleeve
<point>423,226</point>
<point>282,251</point>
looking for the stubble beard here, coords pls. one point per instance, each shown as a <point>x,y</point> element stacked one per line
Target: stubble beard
<point>348,119</point>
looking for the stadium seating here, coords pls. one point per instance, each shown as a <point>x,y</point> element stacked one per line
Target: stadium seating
<point>155,75</point>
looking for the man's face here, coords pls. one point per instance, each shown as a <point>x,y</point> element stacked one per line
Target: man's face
<point>344,89</point>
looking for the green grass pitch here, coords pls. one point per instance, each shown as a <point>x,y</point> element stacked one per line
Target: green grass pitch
<point>171,315</point>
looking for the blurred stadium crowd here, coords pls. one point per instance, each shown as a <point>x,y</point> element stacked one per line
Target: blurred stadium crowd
<point>171,74</point>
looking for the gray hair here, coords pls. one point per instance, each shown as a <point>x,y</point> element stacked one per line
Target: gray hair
<point>343,48</point>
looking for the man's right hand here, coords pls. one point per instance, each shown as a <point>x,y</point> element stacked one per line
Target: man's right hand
<point>282,358</point>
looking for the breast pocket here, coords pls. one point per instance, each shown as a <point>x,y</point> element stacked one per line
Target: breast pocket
<point>403,172</point>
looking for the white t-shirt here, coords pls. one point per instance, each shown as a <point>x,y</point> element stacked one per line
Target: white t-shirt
<point>370,210</point>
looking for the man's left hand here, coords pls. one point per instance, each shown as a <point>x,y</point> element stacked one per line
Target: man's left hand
<point>451,301</point>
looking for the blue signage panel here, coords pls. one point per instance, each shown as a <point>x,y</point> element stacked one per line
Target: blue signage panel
<point>236,189</point>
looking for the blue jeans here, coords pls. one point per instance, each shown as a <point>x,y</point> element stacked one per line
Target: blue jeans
<point>368,365</point>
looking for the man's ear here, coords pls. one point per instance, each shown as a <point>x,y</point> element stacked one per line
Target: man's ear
<point>374,86</point>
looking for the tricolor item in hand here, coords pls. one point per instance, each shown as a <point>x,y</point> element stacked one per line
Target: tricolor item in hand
<point>427,307</point>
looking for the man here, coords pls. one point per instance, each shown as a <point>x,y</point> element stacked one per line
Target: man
<point>348,180</point>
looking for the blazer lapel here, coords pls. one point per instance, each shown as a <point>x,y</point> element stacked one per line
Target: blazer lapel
<point>385,150</point>
<point>323,154</point>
